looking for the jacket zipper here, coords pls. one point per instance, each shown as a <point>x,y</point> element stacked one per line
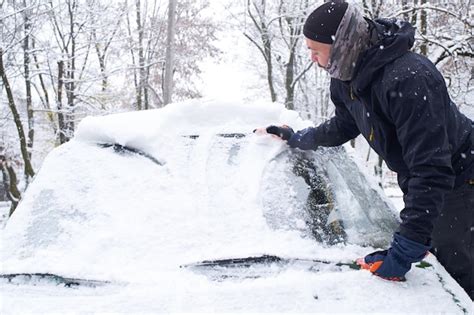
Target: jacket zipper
<point>372,133</point>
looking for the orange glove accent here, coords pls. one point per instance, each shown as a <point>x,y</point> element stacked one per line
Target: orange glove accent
<point>371,267</point>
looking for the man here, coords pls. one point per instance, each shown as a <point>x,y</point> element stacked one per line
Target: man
<point>398,101</point>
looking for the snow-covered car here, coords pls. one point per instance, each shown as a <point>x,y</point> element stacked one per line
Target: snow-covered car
<point>184,209</point>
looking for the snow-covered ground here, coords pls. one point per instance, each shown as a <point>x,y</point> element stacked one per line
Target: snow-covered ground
<point>132,220</point>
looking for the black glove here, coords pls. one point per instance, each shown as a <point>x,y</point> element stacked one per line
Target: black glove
<point>284,132</point>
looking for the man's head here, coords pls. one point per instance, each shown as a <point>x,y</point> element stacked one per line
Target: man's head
<point>320,30</point>
<point>336,33</point>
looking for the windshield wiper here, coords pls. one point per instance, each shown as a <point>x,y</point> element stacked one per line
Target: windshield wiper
<point>118,148</point>
<point>48,278</point>
<point>261,266</point>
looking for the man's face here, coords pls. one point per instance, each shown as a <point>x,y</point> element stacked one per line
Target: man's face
<point>319,52</point>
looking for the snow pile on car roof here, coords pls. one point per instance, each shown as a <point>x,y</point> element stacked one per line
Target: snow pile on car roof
<point>187,118</point>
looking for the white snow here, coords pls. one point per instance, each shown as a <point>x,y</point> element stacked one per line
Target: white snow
<point>93,213</point>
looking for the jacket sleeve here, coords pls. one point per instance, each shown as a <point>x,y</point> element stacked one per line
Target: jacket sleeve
<point>333,132</point>
<point>418,108</point>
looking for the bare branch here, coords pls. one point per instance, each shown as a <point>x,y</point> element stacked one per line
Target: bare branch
<point>257,45</point>
<point>464,20</point>
<point>306,69</point>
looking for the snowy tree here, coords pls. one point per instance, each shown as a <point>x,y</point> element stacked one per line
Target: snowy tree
<point>29,172</point>
<point>192,42</point>
<point>14,33</point>
<point>64,60</point>
<point>275,29</point>
<point>444,33</point>
<point>104,31</point>
<point>68,25</point>
<point>262,38</point>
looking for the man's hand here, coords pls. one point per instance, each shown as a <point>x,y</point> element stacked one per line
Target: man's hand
<point>394,263</point>
<point>284,132</point>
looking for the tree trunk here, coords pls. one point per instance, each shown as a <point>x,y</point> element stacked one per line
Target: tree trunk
<point>266,45</point>
<point>373,6</point>
<point>169,62</point>
<point>101,55</point>
<point>61,115</point>
<point>295,28</point>
<point>146,94</point>
<point>47,104</point>
<point>376,6</point>
<point>414,16</point>
<point>29,172</point>
<point>10,183</point>
<point>141,57</point>
<point>404,7</point>
<point>379,170</point>
<point>271,86</point>
<point>26,67</point>
<point>101,58</point>
<point>423,29</point>
<point>289,86</point>
<point>267,48</point>
<point>71,73</point>
<point>103,73</point>
<point>367,11</point>
<point>135,78</point>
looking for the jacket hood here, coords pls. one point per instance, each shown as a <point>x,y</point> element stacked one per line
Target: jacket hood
<point>389,39</point>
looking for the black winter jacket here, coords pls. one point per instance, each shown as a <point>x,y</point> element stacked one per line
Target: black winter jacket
<point>399,102</point>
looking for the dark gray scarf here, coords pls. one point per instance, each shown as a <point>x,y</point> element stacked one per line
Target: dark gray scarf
<point>352,38</point>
